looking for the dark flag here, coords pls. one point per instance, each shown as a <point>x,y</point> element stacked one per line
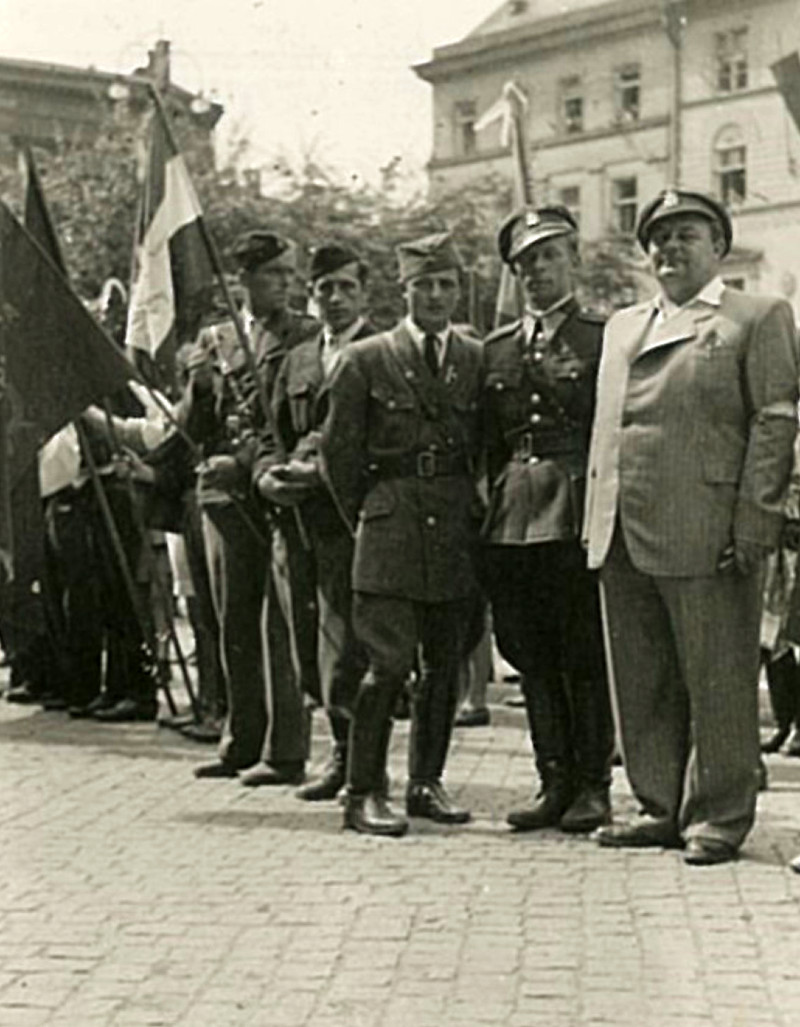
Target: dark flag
<point>58,359</point>
<point>173,273</point>
<point>37,214</point>
<point>787,76</point>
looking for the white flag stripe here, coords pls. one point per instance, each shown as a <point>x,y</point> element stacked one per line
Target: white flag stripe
<point>152,309</point>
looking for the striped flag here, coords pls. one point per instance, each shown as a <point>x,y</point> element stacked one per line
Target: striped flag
<point>172,274</point>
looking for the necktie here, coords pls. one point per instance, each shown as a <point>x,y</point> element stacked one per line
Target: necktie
<point>431,353</point>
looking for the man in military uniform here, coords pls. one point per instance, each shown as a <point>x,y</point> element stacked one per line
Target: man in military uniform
<point>224,408</point>
<point>288,475</point>
<point>539,396</point>
<point>398,448</point>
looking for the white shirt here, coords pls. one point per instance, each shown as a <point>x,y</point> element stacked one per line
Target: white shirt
<point>550,319</point>
<point>710,295</point>
<point>418,335</point>
<point>333,343</point>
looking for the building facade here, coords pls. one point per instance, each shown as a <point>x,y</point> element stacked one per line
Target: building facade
<point>626,97</point>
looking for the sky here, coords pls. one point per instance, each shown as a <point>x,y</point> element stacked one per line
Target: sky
<point>330,77</point>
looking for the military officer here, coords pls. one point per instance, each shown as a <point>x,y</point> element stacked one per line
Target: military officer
<point>287,474</point>
<point>398,447</point>
<point>223,410</point>
<point>539,386</point>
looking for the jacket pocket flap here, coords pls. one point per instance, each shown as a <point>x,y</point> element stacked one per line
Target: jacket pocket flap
<point>391,398</point>
<point>379,502</point>
<point>503,378</point>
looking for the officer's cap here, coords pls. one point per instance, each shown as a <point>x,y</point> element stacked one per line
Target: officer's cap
<point>331,257</point>
<point>428,255</point>
<point>670,202</point>
<point>529,225</point>
<point>259,247</point>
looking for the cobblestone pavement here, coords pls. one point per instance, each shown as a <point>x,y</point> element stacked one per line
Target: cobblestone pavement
<point>133,894</point>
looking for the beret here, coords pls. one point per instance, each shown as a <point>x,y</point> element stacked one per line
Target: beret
<point>252,249</point>
<point>331,257</point>
<point>670,202</point>
<point>530,225</point>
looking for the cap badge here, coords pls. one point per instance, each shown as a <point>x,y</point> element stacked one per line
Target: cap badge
<point>671,198</point>
<point>532,219</point>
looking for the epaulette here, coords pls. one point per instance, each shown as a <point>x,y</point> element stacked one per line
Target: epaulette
<point>502,332</point>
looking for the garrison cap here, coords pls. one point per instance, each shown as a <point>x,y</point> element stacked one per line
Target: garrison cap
<point>670,202</point>
<point>252,249</point>
<point>331,257</point>
<point>428,255</point>
<point>529,225</point>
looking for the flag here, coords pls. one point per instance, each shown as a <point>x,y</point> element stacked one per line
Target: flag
<point>58,360</point>
<point>787,76</point>
<point>511,110</point>
<point>37,214</point>
<point>173,273</point>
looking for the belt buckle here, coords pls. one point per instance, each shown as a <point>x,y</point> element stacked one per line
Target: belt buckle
<point>526,446</point>
<point>426,464</point>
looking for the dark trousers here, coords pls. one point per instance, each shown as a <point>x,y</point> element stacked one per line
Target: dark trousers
<point>684,656</point>
<point>396,633</point>
<point>546,614</point>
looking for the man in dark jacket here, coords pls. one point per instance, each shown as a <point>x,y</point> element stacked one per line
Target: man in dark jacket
<point>398,448</point>
<point>539,399</point>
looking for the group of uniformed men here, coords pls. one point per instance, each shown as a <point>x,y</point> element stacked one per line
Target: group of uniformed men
<point>349,536</point>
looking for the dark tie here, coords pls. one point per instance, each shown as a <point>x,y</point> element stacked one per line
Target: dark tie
<point>431,352</point>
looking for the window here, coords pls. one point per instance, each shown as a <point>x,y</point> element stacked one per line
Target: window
<point>731,60</point>
<point>466,137</point>
<point>628,92</point>
<point>730,166</point>
<point>570,197</point>
<point>571,105</point>
<point>624,206</point>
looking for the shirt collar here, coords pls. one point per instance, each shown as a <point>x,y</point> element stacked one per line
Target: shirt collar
<point>710,295</point>
<point>332,338</point>
<point>418,335</point>
<point>549,319</point>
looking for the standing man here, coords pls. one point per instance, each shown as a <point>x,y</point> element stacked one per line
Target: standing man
<point>222,410</point>
<point>688,470</point>
<point>288,476</point>
<point>538,402</point>
<point>398,446</point>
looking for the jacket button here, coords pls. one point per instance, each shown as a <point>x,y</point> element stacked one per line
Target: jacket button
<point>533,460</point>
<point>538,355</point>
<point>535,418</point>
<point>430,521</point>
<point>536,398</point>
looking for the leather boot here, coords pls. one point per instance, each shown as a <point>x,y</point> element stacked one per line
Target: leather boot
<point>372,814</point>
<point>551,803</point>
<point>593,738</point>
<point>783,690</point>
<point>328,785</point>
<point>434,701</point>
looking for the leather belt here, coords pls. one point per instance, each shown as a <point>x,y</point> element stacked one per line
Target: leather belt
<point>547,443</point>
<point>425,464</point>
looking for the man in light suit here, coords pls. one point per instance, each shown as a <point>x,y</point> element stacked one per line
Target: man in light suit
<point>398,448</point>
<point>688,468</point>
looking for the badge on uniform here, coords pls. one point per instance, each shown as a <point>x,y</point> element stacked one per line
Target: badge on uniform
<point>451,375</point>
<point>671,198</point>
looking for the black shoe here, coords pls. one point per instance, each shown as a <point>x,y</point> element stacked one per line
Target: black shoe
<point>775,741</point>
<point>473,717</point>
<point>590,810</point>
<point>126,711</point>
<point>324,788</point>
<point>24,694</point>
<point>707,852</point>
<point>431,801</point>
<point>266,775</point>
<point>208,731</point>
<point>645,833</point>
<point>372,814</point>
<point>218,769</point>
<point>546,811</point>
<point>53,703</point>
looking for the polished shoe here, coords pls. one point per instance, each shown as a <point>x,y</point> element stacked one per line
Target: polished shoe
<point>324,788</point>
<point>218,769</point>
<point>207,731</point>
<point>372,814</point>
<point>546,811</point>
<point>100,702</point>
<point>793,748</point>
<point>775,741</point>
<point>266,775</point>
<point>431,801</point>
<point>708,852</point>
<point>590,810</point>
<point>645,833</point>
<point>24,694</point>
<point>473,717</point>
<point>126,711</point>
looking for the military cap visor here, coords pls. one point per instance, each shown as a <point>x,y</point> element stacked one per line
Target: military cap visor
<point>671,202</point>
<point>256,248</point>
<point>427,256</point>
<point>528,226</point>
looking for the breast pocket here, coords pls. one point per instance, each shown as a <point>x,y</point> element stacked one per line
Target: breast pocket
<point>502,390</point>
<point>393,414</point>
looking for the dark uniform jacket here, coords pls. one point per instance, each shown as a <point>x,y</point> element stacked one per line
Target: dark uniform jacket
<point>299,407</point>
<point>538,408</point>
<point>227,418</point>
<point>398,448</point>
